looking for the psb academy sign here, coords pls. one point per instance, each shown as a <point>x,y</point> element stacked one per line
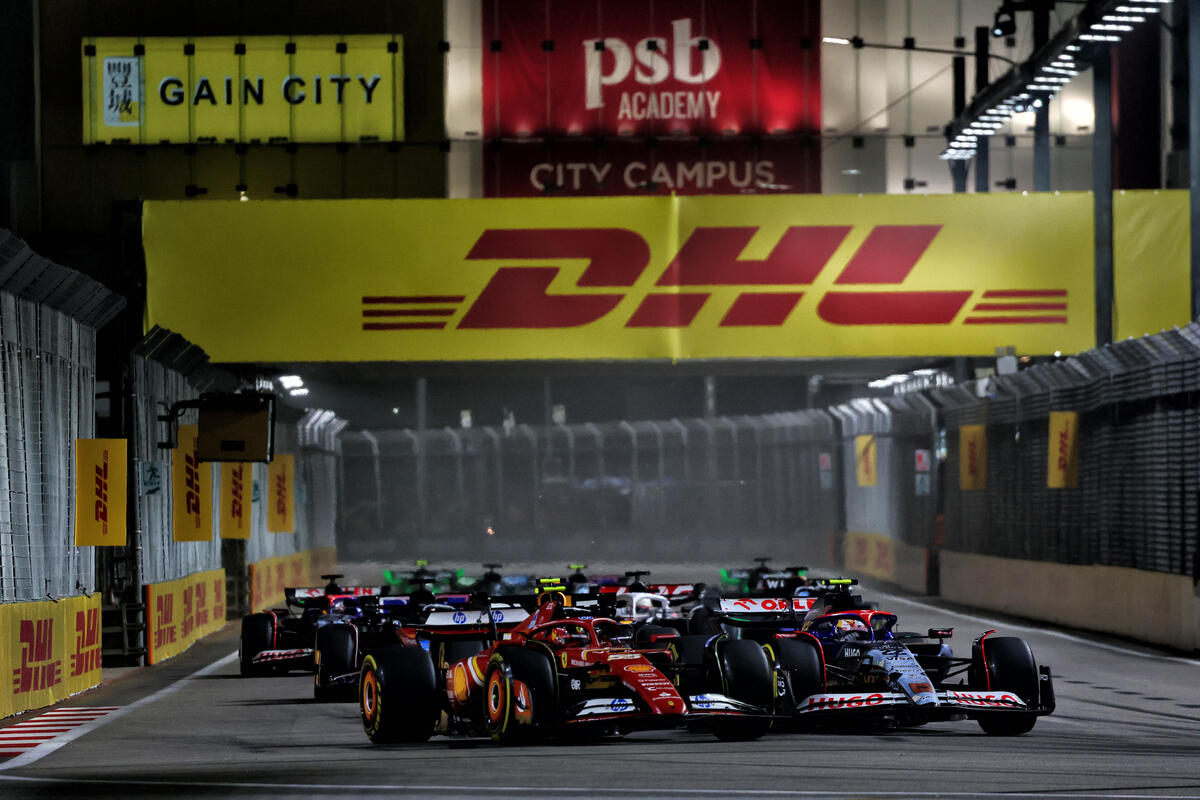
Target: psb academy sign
<point>224,89</point>
<point>683,277</point>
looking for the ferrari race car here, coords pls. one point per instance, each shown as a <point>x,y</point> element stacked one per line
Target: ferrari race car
<point>841,660</point>
<point>281,639</point>
<point>557,671</point>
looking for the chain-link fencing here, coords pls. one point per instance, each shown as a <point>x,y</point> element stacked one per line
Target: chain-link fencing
<point>725,488</point>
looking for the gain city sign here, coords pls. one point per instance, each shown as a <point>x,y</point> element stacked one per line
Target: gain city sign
<point>623,278</point>
<point>224,89</point>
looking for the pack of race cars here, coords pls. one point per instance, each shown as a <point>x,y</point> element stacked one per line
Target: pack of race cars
<point>523,660</point>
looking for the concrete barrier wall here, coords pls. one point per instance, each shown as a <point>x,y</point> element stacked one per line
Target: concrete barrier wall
<point>1154,607</point>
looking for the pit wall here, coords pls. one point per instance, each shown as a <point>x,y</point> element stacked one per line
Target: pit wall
<point>48,652</point>
<point>1154,607</point>
<point>269,576</point>
<point>181,612</point>
<point>888,559</point>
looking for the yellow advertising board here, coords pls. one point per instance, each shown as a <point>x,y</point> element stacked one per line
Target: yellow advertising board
<point>871,554</point>
<point>236,480</point>
<point>226,89</point>
<point>180,612</point>
<point>1151,228</point>
<point>101,469</point>
<point>1062,465</point>
<point>191,490</point>
<point>865,460</point>
<point>281,494</point>
<point>48,651</point>
<point>693,277</point>
<point>972,457</point>
<point>269,577</point>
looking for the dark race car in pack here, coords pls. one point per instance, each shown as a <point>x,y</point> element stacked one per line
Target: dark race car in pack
<point>841,661</point>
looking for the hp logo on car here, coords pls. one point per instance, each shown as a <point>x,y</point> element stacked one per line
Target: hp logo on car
<point>459,618</point>
<point>618,705</point>
<point>497,616</point>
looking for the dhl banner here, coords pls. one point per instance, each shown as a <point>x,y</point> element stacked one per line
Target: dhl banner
<point>972,457</point>
<point>281,494</point>
<point>1151,227</point>
<point>871,554</point>
<point>100,492</point>
<point>865,460</point>
<point>180,612</point>
<point>1062,468</point>
<point>48,651</point>
<point>269,577</point>
<point>191,490</point>
<point>236,481</point>
<point>624,277</point>
<point>225,89</point>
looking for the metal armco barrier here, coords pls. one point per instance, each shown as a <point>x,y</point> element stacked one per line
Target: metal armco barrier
<point>727,487</point>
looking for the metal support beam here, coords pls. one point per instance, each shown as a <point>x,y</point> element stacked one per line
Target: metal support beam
<point>1041,119</point>
<point>422,423</point>
<point>1193,15</point>
<point>959,169</point>
<point>1102,193</point>
<point>983,38</point>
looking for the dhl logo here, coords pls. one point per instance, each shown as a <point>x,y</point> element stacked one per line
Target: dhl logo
<point>235,494</point>
<point>86,657</point>
<point>1064,447</point>
<point>164,620</point>
<point>192,482</point>
<point>869,287</point>
<point>281,494</point>
<point>39,669</point>
<point>100,488</point>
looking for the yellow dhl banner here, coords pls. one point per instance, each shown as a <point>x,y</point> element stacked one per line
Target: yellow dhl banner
<point>225,89</point>
<point>191,490</point>
<point>281,494</point>
<point>865,461</point>
<point>48,651</point>
<point>972,457</point>
<point>871,554</point>
<point>180,612</point>
<point>1151,227</point>
<point>269,577</point>
<point>623,277</point>
<point>1062,467</point>
<point>101,469</point>
<point>235,507</point>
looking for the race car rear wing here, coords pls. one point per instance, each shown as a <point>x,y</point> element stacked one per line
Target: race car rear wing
<point>304,597</point>
<point>766,605</point>
<point>502,615</point>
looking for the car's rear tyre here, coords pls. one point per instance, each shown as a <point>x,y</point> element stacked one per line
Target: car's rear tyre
<point>258,634</point>
<point>398,695</point>
<point>458,649</point>
<point>504,710</point>
<point>800,660</point>
<point>747,676</point>
<point>336,654</point>
<point>642,637</point>
<point>1007,665</point>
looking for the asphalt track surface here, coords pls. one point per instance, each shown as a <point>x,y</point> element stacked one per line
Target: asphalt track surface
<point>1127,726</point>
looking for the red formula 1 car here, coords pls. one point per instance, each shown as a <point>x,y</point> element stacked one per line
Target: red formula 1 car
<point>558,671</point>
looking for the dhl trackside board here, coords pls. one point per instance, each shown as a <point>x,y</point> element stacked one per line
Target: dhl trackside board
<point>624,278</point>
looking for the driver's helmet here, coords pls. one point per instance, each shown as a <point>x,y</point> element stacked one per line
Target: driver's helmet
<point>850,628</point>
<point>568,637</point>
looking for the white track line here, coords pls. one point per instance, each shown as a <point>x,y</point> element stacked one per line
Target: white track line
<point>43,750</point>
<point>1044,631</point>
<point>375,788</point>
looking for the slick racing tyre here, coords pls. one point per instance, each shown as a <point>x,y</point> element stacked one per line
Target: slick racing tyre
<point>1007,665</point>
<point>258,634</point>
<point>398,695</point>
<point>800,660</point>
<point>510,715</point>
<point>336,654</point>
<point>747,676</point>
